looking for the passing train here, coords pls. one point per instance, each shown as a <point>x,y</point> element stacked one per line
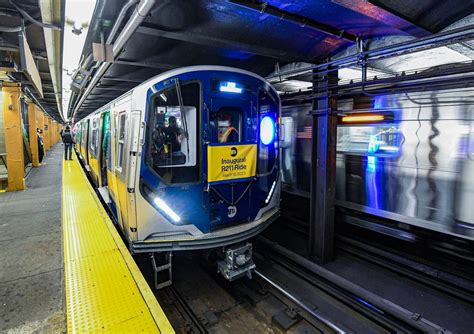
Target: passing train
<point>188,160</point>
<point>406,158</point>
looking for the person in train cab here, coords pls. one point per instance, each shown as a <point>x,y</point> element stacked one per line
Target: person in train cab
<point>230,135</point>
<point>174,134</point>
<point>68,141</point>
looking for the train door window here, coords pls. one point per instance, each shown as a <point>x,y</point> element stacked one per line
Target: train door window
<point>174,133</point>
<point>268,134</point>
<point>94,137</point>
<point>84,136</point>
<point>120,141</point>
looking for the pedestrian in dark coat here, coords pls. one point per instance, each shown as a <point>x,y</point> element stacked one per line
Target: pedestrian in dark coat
<point>68,141</point>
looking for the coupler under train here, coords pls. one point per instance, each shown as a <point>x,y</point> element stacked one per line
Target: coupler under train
<point>237,262</point>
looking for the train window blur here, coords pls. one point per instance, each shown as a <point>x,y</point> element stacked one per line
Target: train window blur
<point>228,121</point>
<point>84,134</point>
<point>120,141</point>
<point>267,153</point>
<point>379,140</point>
<point>174,132</point>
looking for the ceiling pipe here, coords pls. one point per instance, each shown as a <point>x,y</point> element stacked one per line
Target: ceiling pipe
<point>11,29</point>
<point>265,8</point>
<point>118,22</point>
<point>411,46</point>
<point>28,17</point>
<point>138,16</point>
<point>110,39</point>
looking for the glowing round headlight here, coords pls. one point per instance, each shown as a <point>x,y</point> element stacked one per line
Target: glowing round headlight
<point>267,130</point>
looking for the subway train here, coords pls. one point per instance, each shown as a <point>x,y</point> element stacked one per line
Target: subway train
<point>188,160</point>
<point>409,159</point>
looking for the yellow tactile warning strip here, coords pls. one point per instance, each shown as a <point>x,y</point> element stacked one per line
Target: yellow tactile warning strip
<point>105,290</point>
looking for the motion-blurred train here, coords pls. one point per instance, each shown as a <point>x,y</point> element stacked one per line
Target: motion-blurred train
<point>188,160</point>
<point>410,159</point>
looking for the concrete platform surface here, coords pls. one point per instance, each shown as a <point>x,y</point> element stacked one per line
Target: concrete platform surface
<point>31,266</point>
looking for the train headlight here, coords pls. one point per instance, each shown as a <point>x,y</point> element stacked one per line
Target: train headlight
<point>166,209</point>
<point>267,130</point>
<point>270,193</point>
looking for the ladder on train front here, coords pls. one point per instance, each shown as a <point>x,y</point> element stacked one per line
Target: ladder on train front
<point>163,272</point>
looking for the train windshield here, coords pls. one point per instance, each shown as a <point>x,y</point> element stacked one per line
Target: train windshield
<point>173,135</point>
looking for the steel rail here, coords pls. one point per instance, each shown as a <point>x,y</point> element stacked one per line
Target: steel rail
<point>440,280</point>
<point>413,319</point>
<point>298,302</point>
<point>186,311</point>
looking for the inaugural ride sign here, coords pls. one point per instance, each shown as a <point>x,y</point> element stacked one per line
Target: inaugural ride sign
<point>230,162</point>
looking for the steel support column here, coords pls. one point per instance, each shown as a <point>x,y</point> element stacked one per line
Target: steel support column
<point>323,173</point>
<point>32,134</point>
<point>13,136</point>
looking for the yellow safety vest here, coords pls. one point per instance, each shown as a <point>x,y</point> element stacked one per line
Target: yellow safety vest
<point>226,134</point>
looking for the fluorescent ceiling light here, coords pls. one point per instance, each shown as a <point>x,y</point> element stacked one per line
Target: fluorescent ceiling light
<point>78,15</point>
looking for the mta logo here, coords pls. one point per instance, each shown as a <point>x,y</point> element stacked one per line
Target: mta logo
<point>231,211</point>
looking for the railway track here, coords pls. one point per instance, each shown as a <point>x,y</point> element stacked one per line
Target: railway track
<point>286,294</point>
<point>459,287</point>
<point>415,268</point>
<point>378,314</point>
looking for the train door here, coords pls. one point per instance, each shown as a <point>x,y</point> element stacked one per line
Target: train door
<point>126,135</point>
<point>85,143</point>
<point>93,148</point>
<point>111,163</point>
<point>104,147</point>
<point>232,124</point>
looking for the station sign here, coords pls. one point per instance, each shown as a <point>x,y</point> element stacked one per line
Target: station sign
<point>231,162</point>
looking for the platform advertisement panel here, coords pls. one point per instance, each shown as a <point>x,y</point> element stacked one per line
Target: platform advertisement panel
<point>231,162</point>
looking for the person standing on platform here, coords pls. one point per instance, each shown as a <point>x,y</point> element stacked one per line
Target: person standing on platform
<point>68,141</point>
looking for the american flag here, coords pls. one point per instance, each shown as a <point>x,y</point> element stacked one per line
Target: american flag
<point>305,134</point>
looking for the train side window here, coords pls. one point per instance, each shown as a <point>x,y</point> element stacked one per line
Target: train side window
<point>120,141</point>
<point>94,138</point>
<point>174,133</point>
<point>383,140</point>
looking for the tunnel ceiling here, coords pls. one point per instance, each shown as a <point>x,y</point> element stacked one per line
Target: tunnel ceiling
<point>9,45</point>
<point>253,35</point>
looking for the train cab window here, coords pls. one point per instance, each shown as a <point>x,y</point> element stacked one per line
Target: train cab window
<point>174,133</point>
<point>228,125</point>
<point>120,141</point>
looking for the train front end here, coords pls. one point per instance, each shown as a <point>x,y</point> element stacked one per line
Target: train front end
<point>209,172</point>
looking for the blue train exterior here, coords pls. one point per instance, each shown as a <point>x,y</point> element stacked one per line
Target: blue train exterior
<point>190,159</point>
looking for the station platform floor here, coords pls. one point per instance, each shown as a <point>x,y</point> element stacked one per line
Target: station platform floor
<point>64,267</point>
